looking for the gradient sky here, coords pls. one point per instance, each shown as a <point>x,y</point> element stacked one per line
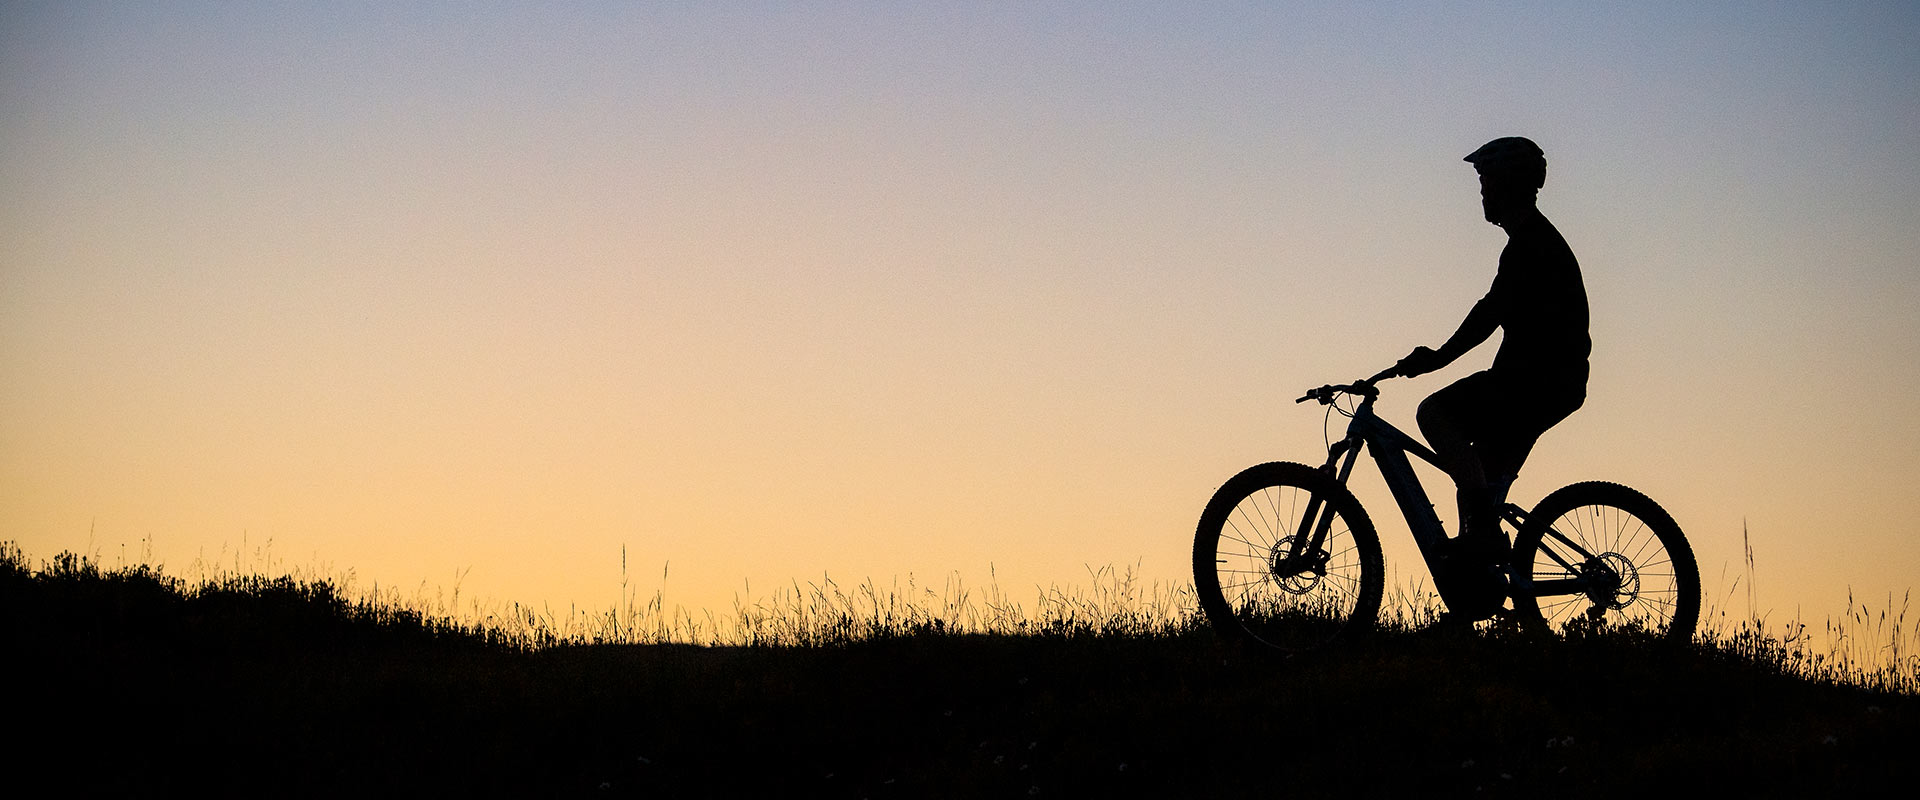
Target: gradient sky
<point>774,291</point>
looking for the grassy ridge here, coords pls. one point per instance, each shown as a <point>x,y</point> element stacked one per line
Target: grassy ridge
<point>132,681</point>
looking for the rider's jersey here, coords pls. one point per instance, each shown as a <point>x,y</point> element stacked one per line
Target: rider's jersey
<point>1540,304</point>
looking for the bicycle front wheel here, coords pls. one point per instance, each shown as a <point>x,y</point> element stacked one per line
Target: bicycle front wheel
<point>1285,557</point>
<point>1600,556</point>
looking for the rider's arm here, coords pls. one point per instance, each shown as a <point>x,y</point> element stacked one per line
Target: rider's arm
<point>1476,328</point>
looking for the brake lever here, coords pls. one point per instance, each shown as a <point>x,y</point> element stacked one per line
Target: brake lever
<point>1323,394</point>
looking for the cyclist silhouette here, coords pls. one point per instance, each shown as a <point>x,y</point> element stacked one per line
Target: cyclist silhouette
<point>1483,426</point>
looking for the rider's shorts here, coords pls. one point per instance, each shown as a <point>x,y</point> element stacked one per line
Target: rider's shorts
<point>1503,416</point>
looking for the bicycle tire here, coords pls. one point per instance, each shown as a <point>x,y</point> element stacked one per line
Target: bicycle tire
<point>1249,595</point>
<point>1644,575</point>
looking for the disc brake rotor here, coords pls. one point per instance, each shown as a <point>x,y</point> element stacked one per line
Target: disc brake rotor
<point>1300,574</point>
<point>1612,581</point>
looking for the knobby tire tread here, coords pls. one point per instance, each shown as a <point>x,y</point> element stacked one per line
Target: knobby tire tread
<point>1254,479</point>
<point>1560,502</point>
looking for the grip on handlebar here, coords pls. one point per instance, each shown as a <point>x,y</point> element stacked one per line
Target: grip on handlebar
<point>1326,394</point>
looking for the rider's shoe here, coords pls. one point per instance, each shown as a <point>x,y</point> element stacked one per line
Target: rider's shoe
<point>1475,548</point>
<point>1476,575</point>
<point>1480,536</point>
<point>1486,545</point>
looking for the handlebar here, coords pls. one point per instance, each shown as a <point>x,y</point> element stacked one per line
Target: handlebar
<point>1362,388</point>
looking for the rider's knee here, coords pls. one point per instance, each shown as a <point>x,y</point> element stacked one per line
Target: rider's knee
<point>1434,413</point>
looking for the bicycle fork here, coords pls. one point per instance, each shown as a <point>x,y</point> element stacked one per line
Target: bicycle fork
<point>1307,549</point>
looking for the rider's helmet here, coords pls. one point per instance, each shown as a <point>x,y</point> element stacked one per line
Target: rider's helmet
<point>1515,156</point>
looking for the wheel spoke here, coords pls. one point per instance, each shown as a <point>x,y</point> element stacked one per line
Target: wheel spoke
<point>1636,558</point>
<point>1257,529</point>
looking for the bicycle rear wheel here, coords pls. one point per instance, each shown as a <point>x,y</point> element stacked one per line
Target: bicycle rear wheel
<point>1600,556</point>
<point>1255,584</point>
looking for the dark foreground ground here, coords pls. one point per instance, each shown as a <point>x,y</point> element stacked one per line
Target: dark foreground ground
<point>124,686</point>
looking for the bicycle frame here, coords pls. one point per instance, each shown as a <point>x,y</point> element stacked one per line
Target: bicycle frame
<point>1390,447</point>
<point>1286,555</point>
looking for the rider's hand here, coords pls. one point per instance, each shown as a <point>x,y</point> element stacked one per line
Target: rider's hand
<point>1419,362</point>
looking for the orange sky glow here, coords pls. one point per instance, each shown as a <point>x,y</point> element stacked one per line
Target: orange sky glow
<point>876,290</point>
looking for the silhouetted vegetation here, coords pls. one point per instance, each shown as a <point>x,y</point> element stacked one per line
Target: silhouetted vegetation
<point>133,682</point>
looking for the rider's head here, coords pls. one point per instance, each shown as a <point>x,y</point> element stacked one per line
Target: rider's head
<point>1512,170</point>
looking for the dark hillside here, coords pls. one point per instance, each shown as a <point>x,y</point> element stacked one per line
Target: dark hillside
<point>130,683</point>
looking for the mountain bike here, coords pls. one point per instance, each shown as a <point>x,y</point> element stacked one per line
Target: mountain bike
<point>1285,556</point>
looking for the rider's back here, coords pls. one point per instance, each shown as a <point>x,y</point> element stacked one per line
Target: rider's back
<point>1541,304</point>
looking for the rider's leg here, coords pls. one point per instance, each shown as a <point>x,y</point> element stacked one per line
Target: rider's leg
<point>1454,420</point>
<point>1482,427</point>
<point>1507,435</point>
<point>1501,453</point>
<point>1446,418</point>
